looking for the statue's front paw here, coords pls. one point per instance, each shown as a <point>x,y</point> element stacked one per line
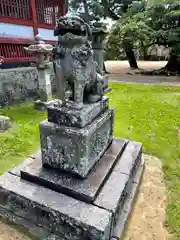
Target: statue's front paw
<point>92,98</point>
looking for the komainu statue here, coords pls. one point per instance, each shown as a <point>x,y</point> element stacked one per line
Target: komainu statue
<point>74,64</point>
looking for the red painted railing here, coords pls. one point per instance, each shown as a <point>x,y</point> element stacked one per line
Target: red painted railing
<point>15,53</point>
<point>15,9</point>
<point>35,13</point>
<point>47,12</point>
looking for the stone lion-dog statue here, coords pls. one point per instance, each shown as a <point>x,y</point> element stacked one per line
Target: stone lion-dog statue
<point>74,64</point>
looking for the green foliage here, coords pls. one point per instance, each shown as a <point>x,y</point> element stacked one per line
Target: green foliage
<point>99,8</point>
<point>150,114</point>
<point>144,24</point>
<point>130,30</point>
<point>22,138</point>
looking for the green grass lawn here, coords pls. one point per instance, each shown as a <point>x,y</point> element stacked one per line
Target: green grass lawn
<point>23,138</point>
<point>149,114</point>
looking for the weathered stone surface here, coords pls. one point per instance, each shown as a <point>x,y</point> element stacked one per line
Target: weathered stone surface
<point>54,237</point>
<point>56,212</point>
<point>30,228</point>
<point>139,171</point>
<point>76,150</point>
<point>68,218</point>
<point>17,84</point>
<point>70,116</point>
<point>74,64</point>
<point>85,190</point>
<point>114,192</point>
<point>5,123</point>
<point>121,220</point>
<point>130,158</point>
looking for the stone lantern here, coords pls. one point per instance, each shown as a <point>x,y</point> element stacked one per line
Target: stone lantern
<point>99,33</point>
<point>42,51</point>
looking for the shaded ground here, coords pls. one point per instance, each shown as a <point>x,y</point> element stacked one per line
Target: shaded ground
<point>148,215</point>
<point>120,72</point>
<point>121,66</point>
<point>8,232</point>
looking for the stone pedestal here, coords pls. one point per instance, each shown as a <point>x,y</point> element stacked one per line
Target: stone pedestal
<point>76,150</point>
<point>44,85</point>
<point>58,206</point>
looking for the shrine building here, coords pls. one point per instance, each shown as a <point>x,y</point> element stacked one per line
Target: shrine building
<point>21,21</point>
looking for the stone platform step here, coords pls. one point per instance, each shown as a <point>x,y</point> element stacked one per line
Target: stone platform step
<point>84,190</point>
<point>67,216</point>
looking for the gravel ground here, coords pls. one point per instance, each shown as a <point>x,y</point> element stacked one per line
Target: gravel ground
<point>120,72</point>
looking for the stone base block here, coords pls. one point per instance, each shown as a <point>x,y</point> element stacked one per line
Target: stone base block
<point>5,123</point>
<point>69,115</point>
<point>76,150</point>
<point>62,217</point>
<point>57,213</point>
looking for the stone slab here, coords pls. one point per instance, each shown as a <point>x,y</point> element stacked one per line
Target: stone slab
<point>35,154</point>
<point>113,193</point>
<point>56,212</point>
<point>30,159</point>
<point>127,208</point>
<point>73,117</point>
<point>84,190</point>
<point>76,150</point>
<point>17,170</point>
<point>29,228</point>
<point>130,158</point>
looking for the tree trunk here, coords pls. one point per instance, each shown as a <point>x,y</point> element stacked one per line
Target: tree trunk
<point>173,64</point>
<point>146,56</point>
<point>130,56</point>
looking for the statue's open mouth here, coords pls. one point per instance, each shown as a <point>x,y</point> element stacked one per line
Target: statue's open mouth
<point>63,31</point>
